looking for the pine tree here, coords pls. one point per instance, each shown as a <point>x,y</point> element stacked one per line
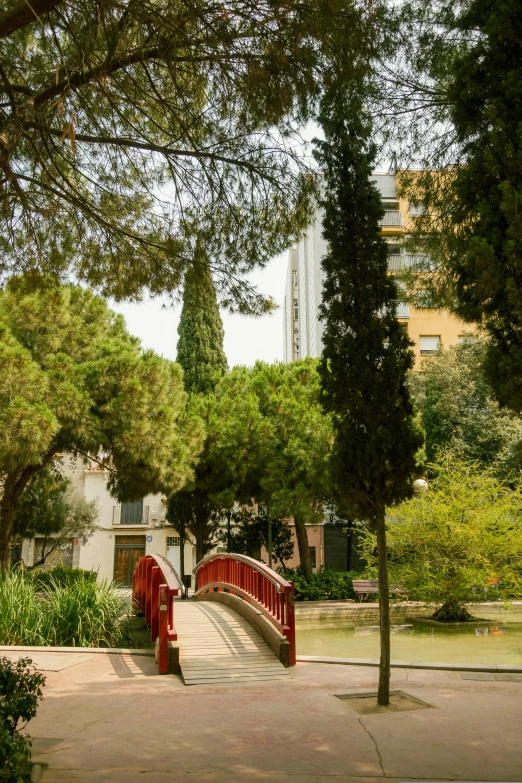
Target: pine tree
<point>366,351</point>
<point>200,330</point>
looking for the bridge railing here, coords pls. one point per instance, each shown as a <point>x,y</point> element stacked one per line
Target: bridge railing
<point>257,584</point>
<point>154,585</point>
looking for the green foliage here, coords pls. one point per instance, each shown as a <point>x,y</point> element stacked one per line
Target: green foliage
<point>15,757</point>
<point>458,411</point>
<point>447,545</point>
<point>281,453</point>
<point>78,382</point>
<point>200,330</point>
<point>326,584</point>
<point>158,127</point>
<point>250,533</point>
<point>366,352</point>
<point>20,692</point>
<point>62,612</point>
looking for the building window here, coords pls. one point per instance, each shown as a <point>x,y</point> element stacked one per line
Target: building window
<point>313,558</point>
<point>423,299</point>
<point>296,310</point>
<point>429,344</point>
<point>416,209</point>
<point>173,541</point>
<point>294,279</point>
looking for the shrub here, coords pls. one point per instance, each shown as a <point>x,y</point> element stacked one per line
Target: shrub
<point>20,692</point>
<point>325,584</point>
<point>60,575</point>
<point>460,542</point>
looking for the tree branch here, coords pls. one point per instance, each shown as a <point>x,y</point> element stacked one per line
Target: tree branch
<point>165,151</point>
<point>24,13</point>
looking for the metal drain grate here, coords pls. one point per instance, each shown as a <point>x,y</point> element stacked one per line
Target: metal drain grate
<point>491,677</point>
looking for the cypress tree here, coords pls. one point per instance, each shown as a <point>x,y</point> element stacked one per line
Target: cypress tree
<point>366,353</point>
<point>201,354</point>
<point>200,330</point>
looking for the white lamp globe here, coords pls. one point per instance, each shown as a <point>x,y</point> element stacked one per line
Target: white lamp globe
<point>420,486</point>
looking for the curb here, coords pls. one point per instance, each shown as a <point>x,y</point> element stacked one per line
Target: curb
<point>436,666</point>
<point>96,650</point>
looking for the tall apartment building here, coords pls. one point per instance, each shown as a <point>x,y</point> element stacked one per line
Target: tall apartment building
<point>428,328</point>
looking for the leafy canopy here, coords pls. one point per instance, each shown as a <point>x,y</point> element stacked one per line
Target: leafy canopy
<point>458,410</point>
<point>132,132</point>
<point>284,452</point>
<point>448,544</point>
<point>76,381</point>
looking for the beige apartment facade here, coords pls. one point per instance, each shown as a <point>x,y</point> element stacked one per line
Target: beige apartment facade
<point>428,328</point>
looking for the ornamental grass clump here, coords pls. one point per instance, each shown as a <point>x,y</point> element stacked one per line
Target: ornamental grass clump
<point>21,614</point>
<point>61,612</point>
<point>85,614</point>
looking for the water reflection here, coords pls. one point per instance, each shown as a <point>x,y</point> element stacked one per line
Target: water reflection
<point>496,642</point>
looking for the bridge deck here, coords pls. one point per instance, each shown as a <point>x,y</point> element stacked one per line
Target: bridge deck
<point>217,645</point>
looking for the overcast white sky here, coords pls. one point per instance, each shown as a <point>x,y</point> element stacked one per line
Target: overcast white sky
<point>246,338</point>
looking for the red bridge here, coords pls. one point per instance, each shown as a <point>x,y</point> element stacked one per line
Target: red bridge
<point>239,626</point>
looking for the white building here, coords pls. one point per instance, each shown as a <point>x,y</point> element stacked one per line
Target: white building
<point>427,327</point>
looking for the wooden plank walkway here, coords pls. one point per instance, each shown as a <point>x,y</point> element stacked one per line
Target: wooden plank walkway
<point>217,645</point>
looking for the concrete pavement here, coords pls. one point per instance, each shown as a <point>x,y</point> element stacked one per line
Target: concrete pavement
<point>113,718</point>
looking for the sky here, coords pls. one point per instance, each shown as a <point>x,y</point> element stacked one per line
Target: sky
<point>246,338</point>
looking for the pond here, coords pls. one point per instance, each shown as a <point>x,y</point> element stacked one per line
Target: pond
<point>497,642</point>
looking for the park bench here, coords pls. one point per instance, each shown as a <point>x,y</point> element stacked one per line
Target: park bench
<point>364,587</point>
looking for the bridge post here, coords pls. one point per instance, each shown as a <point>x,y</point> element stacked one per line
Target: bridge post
<point>290,621</point>
<point>154,613</point>
<point>163,649</point>
<point>148,589</point>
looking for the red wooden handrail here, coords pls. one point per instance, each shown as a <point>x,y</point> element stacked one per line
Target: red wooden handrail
<point>154,585</point>
<point>254,582</point>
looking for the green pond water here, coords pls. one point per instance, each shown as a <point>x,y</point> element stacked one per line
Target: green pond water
<point>498,642</point>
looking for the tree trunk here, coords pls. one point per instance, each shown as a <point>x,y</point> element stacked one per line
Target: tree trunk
<point>303,547</point>
<point>383,695</point>
<point>6,531</point>
<point>182,560</point>
<point>200,545</point>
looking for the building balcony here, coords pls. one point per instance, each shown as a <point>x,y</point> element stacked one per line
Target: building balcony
<point>398,262</point>
<point>391,217</point>
<point>130,514</point>
<point>403,310</point>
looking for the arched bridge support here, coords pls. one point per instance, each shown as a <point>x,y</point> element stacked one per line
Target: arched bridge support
<point>257,593</point>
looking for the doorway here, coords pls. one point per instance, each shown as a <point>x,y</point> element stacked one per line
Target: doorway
<point>174,553</point>
<point>127,552</point>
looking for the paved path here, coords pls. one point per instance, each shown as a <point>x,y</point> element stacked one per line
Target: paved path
<point>217,645</point>
<point>112,719</point>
